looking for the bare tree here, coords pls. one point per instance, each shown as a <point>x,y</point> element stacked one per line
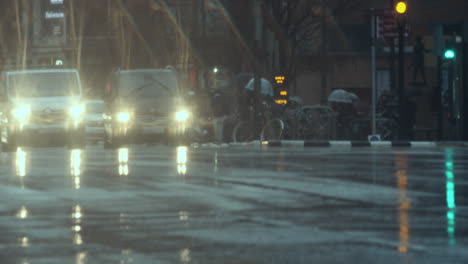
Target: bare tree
<point>300,26</point>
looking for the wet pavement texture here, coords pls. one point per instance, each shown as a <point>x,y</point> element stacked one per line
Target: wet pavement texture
<point>162,204</point>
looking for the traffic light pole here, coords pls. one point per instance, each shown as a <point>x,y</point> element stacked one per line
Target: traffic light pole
<point>401,78</point>
<point>373,69</point>
<point>392,58</point>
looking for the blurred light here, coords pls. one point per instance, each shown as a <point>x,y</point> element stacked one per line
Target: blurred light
<point>77,111</point>
<point>181,169</point>
<point>185,255</point>
<point>20,162</point>
<point>183,215</point>
<point>76,212</point>
<point>123,170</point>
<point>24,242</point>
<point>123,155</point>
<point>449,54</point>
<point>281,101</point>
<point>75,163</point>
<point>216,162</point>
<point>449,166</point>
<point>22,213</point>
<point>77,183</point>
<point>401,7</point>
<point>77,239</point>
<point>182,160</point>
<point>181,155</point>
<point>80,258</point>
<point>284,93</point>
<point>182,115</point>
<point>123,117</point>
<point>54,15</point>
<point>21,113</point>
<point>450,196</point>
<point>123,161</point>
<point>215,70</point>
<point>58,62</point>
<point>404,203</point>
<point>279,79</point>
<point>76,228</point>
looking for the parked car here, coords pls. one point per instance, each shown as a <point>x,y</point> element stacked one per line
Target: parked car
<point>40,102</point>
<point>145,102</point>
<point>94,119</point>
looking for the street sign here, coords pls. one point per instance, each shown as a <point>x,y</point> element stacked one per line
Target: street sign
<point>279,79</point>
<point>387,26</point>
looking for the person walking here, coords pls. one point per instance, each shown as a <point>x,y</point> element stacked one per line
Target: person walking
<point>418,60</point>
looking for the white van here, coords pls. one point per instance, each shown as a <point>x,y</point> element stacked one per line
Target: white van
<point>40,102</point>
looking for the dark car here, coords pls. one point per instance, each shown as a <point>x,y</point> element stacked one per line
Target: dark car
<point>145,102</point>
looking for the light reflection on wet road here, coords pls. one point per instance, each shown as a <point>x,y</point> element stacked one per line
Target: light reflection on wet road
<point>160,204</point>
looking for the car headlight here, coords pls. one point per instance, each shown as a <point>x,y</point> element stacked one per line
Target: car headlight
<point>21,113</point>
<point>182,115</point>
<point>123,117</point>
<point>77,111</point>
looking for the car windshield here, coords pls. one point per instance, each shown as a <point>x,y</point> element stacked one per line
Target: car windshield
<point>94,107</point>
<point>44,84</point>
<point>161,84</point>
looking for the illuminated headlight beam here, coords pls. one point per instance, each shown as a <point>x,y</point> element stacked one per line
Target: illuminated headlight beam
<point>77,111</point>
<point>21,113</point>
<point>123,117</point>
<point>182,115</point>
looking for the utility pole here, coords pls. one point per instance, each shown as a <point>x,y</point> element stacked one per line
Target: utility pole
<point>373,69</point>
<point>401,78</point>
<point>324,67</point>
<point>257,50</point>
<point>392,58</point>
<point>404,130</point>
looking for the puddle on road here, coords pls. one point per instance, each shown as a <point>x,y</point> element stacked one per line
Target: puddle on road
<point>123,159</point>
<point>76,167</point>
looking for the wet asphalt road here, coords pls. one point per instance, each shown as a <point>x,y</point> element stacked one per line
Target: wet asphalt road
<point>162,204</point>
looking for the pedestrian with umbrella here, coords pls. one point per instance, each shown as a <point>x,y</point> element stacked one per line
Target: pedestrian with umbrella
<point>341,101</point>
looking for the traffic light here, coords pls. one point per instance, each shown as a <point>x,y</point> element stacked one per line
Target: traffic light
<point>401,7</point>
<point>449,54</point>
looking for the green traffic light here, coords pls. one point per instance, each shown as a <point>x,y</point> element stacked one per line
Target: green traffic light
<point>449,54</point>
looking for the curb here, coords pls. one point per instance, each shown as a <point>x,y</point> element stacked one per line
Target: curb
<point>335,143</point>
<point>360,144</point>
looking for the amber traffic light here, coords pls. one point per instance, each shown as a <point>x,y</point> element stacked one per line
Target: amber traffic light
<point>401,7</point>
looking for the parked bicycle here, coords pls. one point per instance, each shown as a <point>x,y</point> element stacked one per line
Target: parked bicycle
<point>262,125</point>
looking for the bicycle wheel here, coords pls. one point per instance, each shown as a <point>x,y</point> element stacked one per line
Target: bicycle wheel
<point>241,132</point>
<point>387,128</point>
<point>272,130</point>
<point>315,123</point>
